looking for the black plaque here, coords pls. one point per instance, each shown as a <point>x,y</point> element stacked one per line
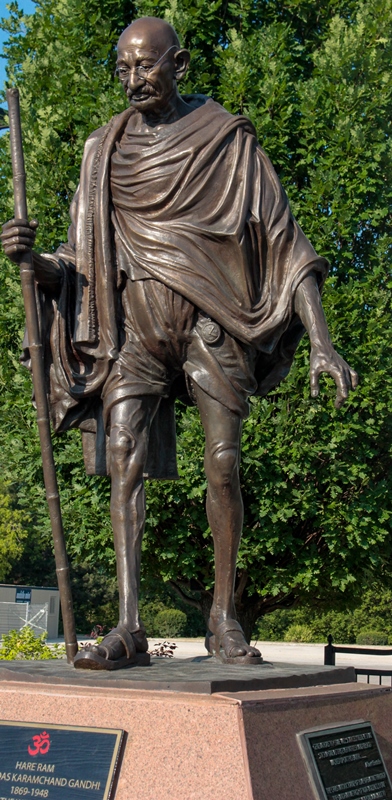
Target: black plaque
<point>345,763</point>
<point>22,595</point>
<point>57,762</point>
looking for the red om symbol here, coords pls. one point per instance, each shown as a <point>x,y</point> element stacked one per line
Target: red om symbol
<point>42,744</point>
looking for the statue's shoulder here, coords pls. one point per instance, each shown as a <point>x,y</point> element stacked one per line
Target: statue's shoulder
<point>196,100</point>
<point>117,122</point>
<point>97,134</point>
<point>218,115</point>
<point>207,105</point>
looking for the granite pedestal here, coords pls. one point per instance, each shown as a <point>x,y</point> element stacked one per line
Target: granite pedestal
<point>196,728</point>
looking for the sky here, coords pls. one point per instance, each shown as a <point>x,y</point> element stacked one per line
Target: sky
<point>28,6</point>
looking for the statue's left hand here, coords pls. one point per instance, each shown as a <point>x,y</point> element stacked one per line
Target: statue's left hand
<point>326,359</point>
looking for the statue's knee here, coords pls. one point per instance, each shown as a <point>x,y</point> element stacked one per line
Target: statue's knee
<point>122,445</point>
<point>222,465</point>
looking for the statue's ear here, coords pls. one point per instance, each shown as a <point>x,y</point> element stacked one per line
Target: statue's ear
<point>181,61</point>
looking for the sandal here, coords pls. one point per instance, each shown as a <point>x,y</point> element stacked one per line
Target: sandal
<point>135,646</point>
<point>216,645</point>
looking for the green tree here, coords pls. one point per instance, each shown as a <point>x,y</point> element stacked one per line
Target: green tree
<point>315,80</point>
<point>13,531</point>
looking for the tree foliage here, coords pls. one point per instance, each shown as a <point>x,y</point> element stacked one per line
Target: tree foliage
<point>13,532</point>
<point>315,79</point>
<point>368,618</point>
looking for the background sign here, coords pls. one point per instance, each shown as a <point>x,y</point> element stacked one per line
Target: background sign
<point>57,762</point>
<point>23,596</point>
<point>345,763</point>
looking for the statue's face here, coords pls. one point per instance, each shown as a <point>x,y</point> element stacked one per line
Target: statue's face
<point>146,68</point>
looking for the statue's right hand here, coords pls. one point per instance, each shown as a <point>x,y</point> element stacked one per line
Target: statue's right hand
<point>18,236</point>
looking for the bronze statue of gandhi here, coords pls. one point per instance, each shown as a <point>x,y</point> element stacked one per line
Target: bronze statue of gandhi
<point>184,274</point>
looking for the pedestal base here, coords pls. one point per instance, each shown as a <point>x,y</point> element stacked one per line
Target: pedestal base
<point>191,745</point>
<point>201,675</point>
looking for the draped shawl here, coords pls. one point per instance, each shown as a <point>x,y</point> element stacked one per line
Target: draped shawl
<point>196,205</point>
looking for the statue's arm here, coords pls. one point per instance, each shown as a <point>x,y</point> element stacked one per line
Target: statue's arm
<point>323,356</point>
<point>18,237</point>
<point>47,273</point>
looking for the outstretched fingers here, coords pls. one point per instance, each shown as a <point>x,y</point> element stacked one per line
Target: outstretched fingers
<point>343,384</point>
<point>346,379</point>
<point>354,378</point>
<point>315,381</point>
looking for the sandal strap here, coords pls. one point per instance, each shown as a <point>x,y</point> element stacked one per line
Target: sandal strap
<point>126,638</point>
<point>227,626</point>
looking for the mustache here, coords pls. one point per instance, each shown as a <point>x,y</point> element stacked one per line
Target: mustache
<point>146,89</point>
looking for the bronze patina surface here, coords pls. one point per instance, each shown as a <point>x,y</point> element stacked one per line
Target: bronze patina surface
<point>202,675</point>
<point>184,275</point>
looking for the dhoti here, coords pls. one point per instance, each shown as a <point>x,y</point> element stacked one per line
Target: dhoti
<point>166,337</point>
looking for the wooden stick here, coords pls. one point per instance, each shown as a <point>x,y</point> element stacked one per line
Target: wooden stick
<point>37,365</point>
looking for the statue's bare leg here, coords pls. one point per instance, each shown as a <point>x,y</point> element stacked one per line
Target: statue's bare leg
<point>222,430</point>
<point>130,422</point>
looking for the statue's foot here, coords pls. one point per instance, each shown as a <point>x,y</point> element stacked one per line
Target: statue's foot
<point>118,649</point>
<point>229,645</point>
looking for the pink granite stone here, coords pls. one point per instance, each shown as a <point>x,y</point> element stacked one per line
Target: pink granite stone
<point>272,719</point>
<point>179,746</point>
<point>182,746</point>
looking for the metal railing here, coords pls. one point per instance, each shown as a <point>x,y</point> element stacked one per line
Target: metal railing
<point>15,616</point>
<point>331,649</point>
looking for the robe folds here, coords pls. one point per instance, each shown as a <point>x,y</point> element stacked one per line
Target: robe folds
<point>197,206</point>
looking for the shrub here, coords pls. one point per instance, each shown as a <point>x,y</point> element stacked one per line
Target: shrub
<point>299,633</point>
<point>374,612</point>
<point>148,613</point>
<point>372,637</point>
<point>341,624</point>
<point>162,621</point>
<point>372,617</point>
<point>170,622</point>
<point>23,644</point>
<point>273,626</point>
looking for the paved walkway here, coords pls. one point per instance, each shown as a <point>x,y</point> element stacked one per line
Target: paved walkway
<point>314,654</point>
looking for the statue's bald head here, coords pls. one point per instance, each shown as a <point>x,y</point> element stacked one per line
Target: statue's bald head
<point>156,31</point>
<point>150,62</point>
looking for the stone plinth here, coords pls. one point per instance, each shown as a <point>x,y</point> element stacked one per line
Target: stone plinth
<point>189,745</point>
<point>201,675</point>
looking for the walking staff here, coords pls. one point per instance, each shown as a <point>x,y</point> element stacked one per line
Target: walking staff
<point>37,364</point>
